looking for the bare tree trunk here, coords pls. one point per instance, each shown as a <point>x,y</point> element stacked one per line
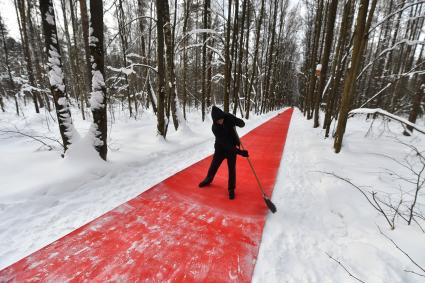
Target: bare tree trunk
<point>12,84</point>
<point>85,26</point>
<point>338,66</point>
<point>359,42</point>
<point>325,59</point>
<point>206,16</point>
<point>186,18</point>
<point>76,55</point>
<point>124,46</point>
<point>312,76</point>
<point>98,94</point>
<point>171,76</point>
<point>6,56</point>
<point>416,104</point>
<point>73,73</point>
<point>238,70</point>
<point>228,62</point>
<point>269,67</point>
<point>32,44</point>
<point>233,58</point>
<point>161,67</point>
<point>57,85</point>
<point>27,54</point>
<point>1,101</point>
<point>247,90</point>
<point>254,64</point>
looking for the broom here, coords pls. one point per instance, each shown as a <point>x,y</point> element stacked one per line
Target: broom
<point>266,198</point>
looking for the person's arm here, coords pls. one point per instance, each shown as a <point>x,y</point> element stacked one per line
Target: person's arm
<point>239,122</point>
<point>235,120</point>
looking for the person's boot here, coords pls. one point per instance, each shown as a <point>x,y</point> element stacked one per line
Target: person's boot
<point>205,182</point>
<point>231,194</point>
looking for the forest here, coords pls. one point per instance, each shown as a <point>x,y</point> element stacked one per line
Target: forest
<point>325,57</point>
<point>106,113</point>
<point>192,55</point>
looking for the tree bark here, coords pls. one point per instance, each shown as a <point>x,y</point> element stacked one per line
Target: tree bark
<point>57,85</point>
<point>325,59</point>
<point>312,76</point>
<point>85,26</point>
<point>360,34</point>
<point>185,23</point>
<point>267,88</point>
<point>206,21</point>
<point>27,53</point>
<point>98,95</point>
<point>161,67</point>
<point>228,61</point>
<point>238,70</point>
<point>76,56</point>
<point>255,59</point>
<point>338,67</point>
<point>416,105</point>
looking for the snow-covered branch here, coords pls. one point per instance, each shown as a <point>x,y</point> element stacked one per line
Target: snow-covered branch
<point>129,69</point>
<point>196,31</point>
<point>404,41</point>
<point>379,111</point>
<point>393,14</point>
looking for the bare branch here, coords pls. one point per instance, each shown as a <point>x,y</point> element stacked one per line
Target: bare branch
<point>36,138</point>
<point>346,270</point>
<point>395,244</point>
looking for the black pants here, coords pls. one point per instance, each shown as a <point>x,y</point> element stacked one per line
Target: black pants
<point>219,156</point>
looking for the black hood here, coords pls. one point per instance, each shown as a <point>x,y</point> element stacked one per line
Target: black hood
<point>217,113</point>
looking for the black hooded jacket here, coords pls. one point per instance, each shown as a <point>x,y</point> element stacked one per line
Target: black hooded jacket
<point>225,135</point>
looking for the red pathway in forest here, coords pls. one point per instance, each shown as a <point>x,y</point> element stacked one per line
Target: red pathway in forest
<point>174,231</point>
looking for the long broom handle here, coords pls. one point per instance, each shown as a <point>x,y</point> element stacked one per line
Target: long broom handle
<point>267,200</point>
<point>250,164</point>
<point>253,171</point>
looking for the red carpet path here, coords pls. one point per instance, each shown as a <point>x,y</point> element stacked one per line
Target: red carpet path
<point>173,232</point>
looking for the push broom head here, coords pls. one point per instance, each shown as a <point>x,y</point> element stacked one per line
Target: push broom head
<point>269,204</point>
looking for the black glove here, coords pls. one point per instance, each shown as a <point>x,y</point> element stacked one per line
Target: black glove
<point>244,153</point>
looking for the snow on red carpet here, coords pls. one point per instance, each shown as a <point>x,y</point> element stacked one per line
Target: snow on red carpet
<point>174,231</point>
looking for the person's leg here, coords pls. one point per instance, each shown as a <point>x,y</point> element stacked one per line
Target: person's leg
<point>215,164</point>
<point>231,164</point>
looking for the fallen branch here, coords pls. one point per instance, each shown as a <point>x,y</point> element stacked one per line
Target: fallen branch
<point>346,270</point>
<point>379,111</point>
<point>36,138</point>
<point>373,201</point>
<point>406,254</point>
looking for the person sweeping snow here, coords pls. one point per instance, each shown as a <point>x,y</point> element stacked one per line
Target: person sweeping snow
<point>226,146</point>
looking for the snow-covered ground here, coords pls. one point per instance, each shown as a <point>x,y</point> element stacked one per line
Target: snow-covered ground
<point>319,214</point>
<point>43,197</point>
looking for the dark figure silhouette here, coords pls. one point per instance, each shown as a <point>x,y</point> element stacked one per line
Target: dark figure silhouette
<point>226,147</point>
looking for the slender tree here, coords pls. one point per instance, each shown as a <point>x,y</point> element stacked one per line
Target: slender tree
<point>359,41</point>
<point>85,29</point>
<point>333,6</point>
<point>255,59</point>
<point>99,128</point>
<point>27,54</point>
<point>228,61</point>
<point>57,85</point>
<point>206,22</point>
<point>161,67</point>
<point>338,65</point>
<point>416,104</point>
<point>311,87</point>
<point>171,76</point>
